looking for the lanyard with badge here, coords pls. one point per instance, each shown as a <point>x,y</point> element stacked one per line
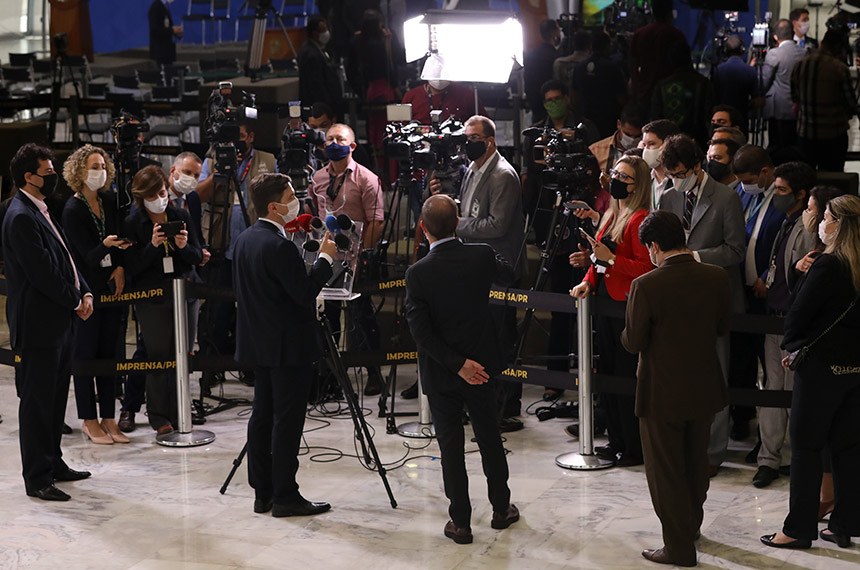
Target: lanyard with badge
<point>99,221</point>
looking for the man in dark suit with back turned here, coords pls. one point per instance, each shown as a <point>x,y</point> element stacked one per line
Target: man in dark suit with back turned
<point>45,292</point>
<point>447,307</point>
<point>680,382</point>
<point>276,302</point>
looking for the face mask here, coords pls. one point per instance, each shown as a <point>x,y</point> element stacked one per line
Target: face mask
<point>718,170</point>
<point>475,149</point>
<point>293,211</point>
<point>336,151</point>
<point>628,142</point>
<point>156,206</point>
<point>325,37</point>
<point>651,156</point>
<point>783,203</point>
<point>185,183</point>
<point>96,179</point>
<point>804,28</point>
<point>683,185</point>
<point>49,183</point>
<point>556,109</point>
<point>825,237</point>
<point>618,189</point>
<point>808,218</point>
<point>752,189</point>
<point>439,84</point>
<point>241,147</point>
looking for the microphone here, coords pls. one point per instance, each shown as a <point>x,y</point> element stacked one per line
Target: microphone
<point>317,224</point>
<point>331,224</point>
<point>300,224</point>
<point>342,242</point>
<point>344,223</point>
<point>311,245</point>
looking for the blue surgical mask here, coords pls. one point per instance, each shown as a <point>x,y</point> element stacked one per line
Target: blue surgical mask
<point>336,151</point>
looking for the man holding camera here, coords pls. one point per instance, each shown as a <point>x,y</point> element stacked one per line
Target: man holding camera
<point>276,301</point>
<point>458,355</point>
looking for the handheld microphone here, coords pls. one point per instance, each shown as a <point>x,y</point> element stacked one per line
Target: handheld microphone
<point>317,224</point>
<point>342,242</point>
<point>344,223</point>
<point>300,224</point>
<point>331,224</point>
<point>311,245</point>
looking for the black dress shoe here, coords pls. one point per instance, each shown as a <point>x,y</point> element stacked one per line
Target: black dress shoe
<point>840,540</point>
<point>627,460</point>
<point>301,508</point>
<point>661,557</point>
<point>505,519</point>
<point>126,422</point>
<point>460,535</point>
<point>410,393</point>
<point>606,452</point>
<point>71,475</point>
<point>507,425</point>
<point>794,544</point>
<point>49,493</point>
<point>764,476</point>
<point>67,430</point>
<point>752,456</point>
<point>262,505</point>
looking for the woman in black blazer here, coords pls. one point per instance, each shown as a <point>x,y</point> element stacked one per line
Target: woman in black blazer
<point>91,226</point>
<point>825,407</point>
<point>151,262</point>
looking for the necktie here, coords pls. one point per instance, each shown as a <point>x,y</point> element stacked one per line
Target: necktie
<point>754,206</point>
<point>689,206</point>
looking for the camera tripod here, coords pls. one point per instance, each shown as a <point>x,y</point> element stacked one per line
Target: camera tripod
<point>332,357</point>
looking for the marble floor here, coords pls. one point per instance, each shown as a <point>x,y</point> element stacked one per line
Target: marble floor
<point>150,507</point>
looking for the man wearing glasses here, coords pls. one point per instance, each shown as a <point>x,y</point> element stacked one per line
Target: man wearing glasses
<point>713,221</point>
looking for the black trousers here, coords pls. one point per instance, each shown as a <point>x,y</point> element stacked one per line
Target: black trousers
<point>676,467</point>
<point>42,381</point>
<point>275,431</point>
<point>134,393</point>
<point>745,352</point>
<point>156,326</point>
<point>447,409</point>
<point>95,338</point>
<point>621,421</point>
<point>826,154</point>
<point>825,412</point>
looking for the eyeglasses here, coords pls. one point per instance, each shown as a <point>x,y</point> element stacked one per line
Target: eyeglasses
<point>476,137</point>
<point>622,176</point>
<point>680,175</point>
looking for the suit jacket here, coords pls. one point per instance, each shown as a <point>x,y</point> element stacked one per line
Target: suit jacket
<point>776,80</point>
<point>276,299</point>
<point>717,229</point>
<point>42,297</point>
<point>674,316</point>
<point>800,242</point>
<point>87,245</point>
<point>824,295</point>
<point>161,46</point>
<point>497,212</point>
<point>448,310</point>
<point>770,225</point>
<point>318,80</point>
<point>631,260</point>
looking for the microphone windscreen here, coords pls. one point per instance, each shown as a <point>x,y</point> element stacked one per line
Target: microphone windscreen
<point>292,227</point>
<point>311,245</point>
<point>304,222</point>
<point>342,242</point>
<point>331,224</point>
<point>316,223</point>
<point>344,223</point>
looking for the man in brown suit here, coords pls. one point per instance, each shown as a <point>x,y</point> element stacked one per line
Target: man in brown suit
<point>674,316</point>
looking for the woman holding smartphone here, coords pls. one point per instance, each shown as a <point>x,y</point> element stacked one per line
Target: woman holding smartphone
<point>91,226</point>
<point>618,257</point>
<point>163,250</point>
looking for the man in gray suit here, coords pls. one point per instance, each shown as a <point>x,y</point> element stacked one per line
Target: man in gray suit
<point>713,222</point>
<point>776,83</point>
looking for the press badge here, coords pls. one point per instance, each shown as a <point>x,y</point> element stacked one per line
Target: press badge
<point>167,262</point>
<point>476,207</point>
<point>106,261</point>
<point>771,274</point>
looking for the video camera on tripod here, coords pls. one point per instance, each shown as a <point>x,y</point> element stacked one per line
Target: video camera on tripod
<point>298,145</point>
<point>126,130</point>
<point>571,169</point>
<point>222,124</point>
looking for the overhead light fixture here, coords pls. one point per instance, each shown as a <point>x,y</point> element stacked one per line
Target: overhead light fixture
<point>464,45</point>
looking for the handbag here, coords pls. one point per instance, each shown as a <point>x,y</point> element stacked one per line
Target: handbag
<point>797,357</point>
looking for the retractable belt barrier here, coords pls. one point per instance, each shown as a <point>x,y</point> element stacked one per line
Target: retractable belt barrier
<point>520,298</point>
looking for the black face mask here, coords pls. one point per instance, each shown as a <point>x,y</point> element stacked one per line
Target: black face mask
<point>49,183</point>
<point>475,149</point>
<point>618,189</point>
<point>717,170</point>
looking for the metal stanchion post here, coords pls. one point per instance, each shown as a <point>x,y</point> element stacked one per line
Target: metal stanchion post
<point>184,436</point>
<point>584,460</point>
<point>423,428</point>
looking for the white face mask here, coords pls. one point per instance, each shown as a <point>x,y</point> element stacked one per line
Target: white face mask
<point>684,185</point>
<point>628,142</point>
<point>96,179</point>
<point>752,189</point>
<point>325,37</point>
<point>293,212</point>
<point>826,238</point>
<point>185,183</point>
<point>804,28</point>
<point>156,206</point>
<point>652,156</point>
<point>439,84</point>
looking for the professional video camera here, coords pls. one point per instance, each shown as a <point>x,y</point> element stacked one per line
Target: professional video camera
<point>436,147</point>
<point>570,167</point>
<point>846,23</point>
<point>222,124</point>
<point>626,16</point>
<point>126,129</point>
<point>297,146</point>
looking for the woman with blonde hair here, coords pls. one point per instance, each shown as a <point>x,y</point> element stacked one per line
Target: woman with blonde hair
<point>821,332</point>
<point>91,224</point>
<point>618,258</point>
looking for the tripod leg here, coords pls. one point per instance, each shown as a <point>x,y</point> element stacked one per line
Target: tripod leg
<point>236,463</point>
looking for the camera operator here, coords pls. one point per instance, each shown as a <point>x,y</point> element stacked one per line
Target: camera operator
<point>454,99</point>
<point>274,333</point>
<point>627,135</point>
<point>654,136</point>
<point>346,187</point>
<point>154,258</point>
<point>538,66</point>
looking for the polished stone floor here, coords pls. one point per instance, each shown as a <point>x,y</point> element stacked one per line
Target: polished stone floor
<point>150,507</point>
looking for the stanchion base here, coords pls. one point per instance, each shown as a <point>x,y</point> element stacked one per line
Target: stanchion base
<point>417,430</point>
<point>580,462</point>
<point>191,439</point>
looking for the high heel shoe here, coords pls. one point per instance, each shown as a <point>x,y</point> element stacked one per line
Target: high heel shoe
<point>110,427</point>
<point>840,540</point>
<point>825,508</point>
<point>96,434</point>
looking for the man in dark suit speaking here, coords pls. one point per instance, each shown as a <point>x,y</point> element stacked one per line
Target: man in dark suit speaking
<point>45,292</point>
<point>674,316</point>
<point>275,314</point>
<point>447,306</point>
